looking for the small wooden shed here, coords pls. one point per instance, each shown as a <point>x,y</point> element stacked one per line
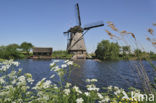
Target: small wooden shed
<point>42,52</point>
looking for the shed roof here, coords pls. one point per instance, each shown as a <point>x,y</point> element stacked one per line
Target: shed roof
<point>41,49</point>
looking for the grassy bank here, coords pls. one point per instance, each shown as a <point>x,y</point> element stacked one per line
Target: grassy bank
<point>61,55</point>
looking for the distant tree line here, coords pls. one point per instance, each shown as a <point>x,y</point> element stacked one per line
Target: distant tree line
<point>15,51</point>
<point>107,50</point>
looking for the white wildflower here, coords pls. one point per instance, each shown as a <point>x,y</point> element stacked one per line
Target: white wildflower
<point>39,84</point>
<point>12,74</point>
<point>14,81</point>
<point>8,86</point>
<point>46,84</point>
<point>56,69</point>
<point>2,80</point>
<point>68,85</point>
<point>28,75</point>
<point>117,92</point>
<point>79,100</point>
<point>115,87</point>
<point>7,99</point>
<point>30,80</point>
<point>66,61</point>
<point>4,93</point>
<point>21,78</point>
<point>91,80</point>
<point>52,64</point>
<point>43,79</point>
<point>60,73</point>
<point>100,96</point>
<point>24,88</point>
<point>55,86</point>
<point>77,89</point>
<point>70,63</point>
<point>94,80</point>
<point>87,93</point>
<point>92,87</point>
<point>67,91</point>
<point>5,67</point>
<point>20,70</point>
<point>20,101</point>
<point>16,63</point>
<point>52,76</point>
<point>63,65</point>
<point>88,80</point>
<point>105,100</point>
<point>110,88</point>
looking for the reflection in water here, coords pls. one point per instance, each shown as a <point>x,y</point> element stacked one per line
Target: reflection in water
<point>117,73</point>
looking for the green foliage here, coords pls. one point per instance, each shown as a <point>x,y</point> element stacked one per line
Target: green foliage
<point>107,51</point>
<point>152,55</point>
<point>13,51</point>
<point>26,47</point>
<point>126,52</point>
<point>137,52</point>
<point>10,52</point>
<point>61,54</point>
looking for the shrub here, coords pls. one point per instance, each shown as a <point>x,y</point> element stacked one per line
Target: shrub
<point>107,51</point>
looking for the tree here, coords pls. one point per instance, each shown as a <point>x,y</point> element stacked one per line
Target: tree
<point>107,51</point>
<point>137,52</point>
<point>126,52</point>
<point>151,53</point>
<point>26,47</point>
<point>10,52</point>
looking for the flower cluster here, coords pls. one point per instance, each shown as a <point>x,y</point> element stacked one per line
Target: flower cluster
<point>15,87</point>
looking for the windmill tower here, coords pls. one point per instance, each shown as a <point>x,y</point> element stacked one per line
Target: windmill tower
<point>76,44</point>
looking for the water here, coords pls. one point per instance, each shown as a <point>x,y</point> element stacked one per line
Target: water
<point>117,73</point>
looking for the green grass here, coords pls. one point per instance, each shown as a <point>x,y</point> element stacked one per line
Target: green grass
<point>61,55</point>
<point>1,60</point>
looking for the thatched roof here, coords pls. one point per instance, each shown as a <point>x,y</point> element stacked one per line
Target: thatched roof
<point>44,50</point>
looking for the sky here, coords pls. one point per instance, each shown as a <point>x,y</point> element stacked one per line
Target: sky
<point>42,22</point>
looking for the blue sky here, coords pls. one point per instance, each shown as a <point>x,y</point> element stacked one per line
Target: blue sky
<point>42,22</point>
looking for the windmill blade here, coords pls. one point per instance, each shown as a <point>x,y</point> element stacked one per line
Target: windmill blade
<point>65,32</point>
<point>93,25</point>
<point>78,14</point>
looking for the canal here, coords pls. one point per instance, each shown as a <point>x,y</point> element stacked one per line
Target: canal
<point>117,73</point>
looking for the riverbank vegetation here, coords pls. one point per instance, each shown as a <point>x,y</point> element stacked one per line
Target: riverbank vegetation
<point>61,55</point>
<point>107,50</point>
<point>15,51</point>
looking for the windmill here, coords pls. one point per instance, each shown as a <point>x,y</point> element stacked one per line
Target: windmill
<point>75,40</point>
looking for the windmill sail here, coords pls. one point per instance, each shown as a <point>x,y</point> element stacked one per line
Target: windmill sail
<point>78,14</point>
<point>93,25</point>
